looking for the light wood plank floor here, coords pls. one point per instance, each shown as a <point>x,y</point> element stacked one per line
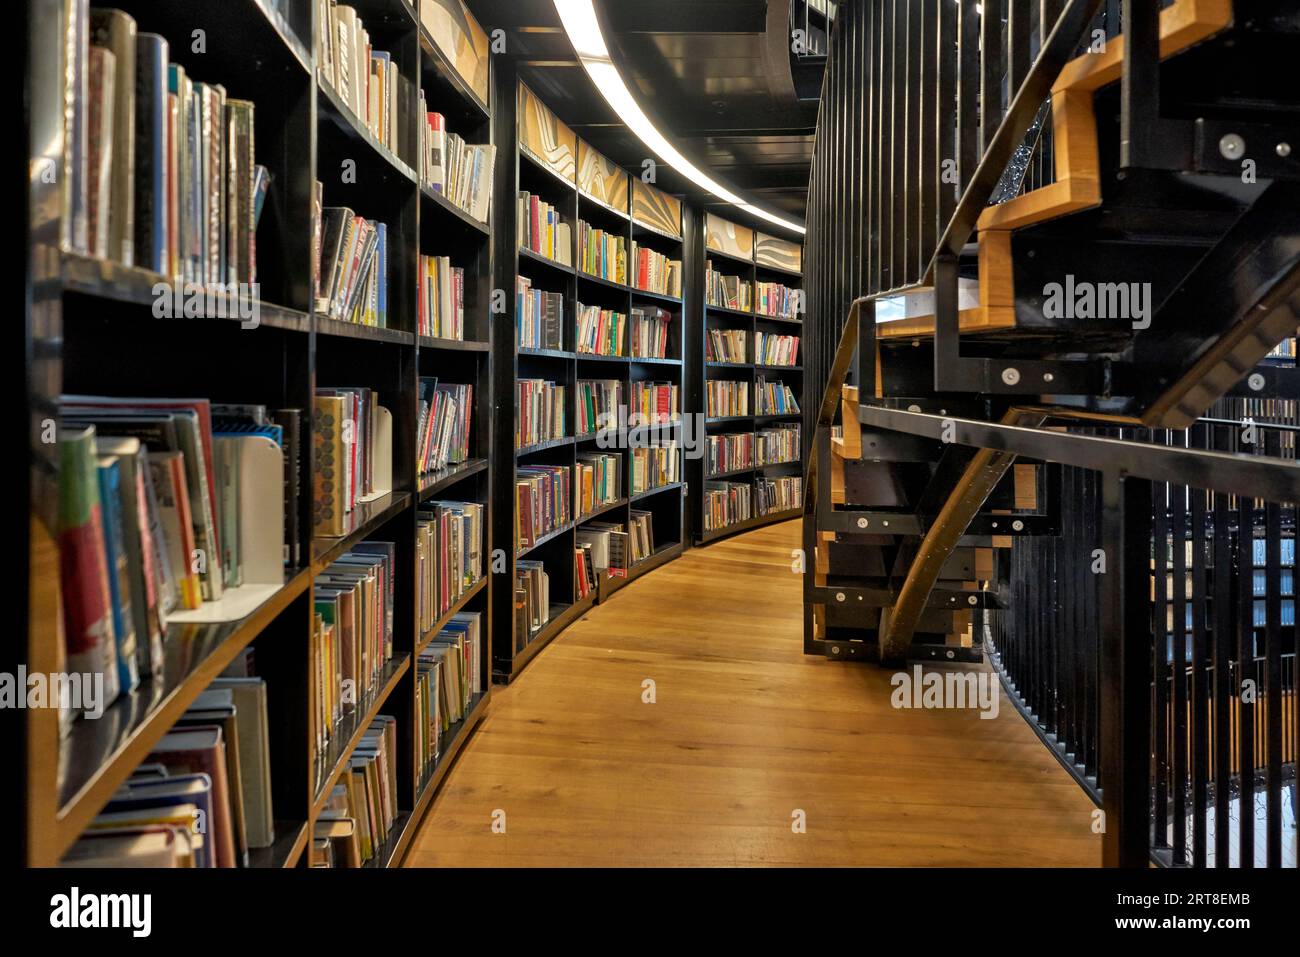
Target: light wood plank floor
<point>744,731</point>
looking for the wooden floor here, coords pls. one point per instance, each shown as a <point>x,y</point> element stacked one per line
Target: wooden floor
<point>744,731</point>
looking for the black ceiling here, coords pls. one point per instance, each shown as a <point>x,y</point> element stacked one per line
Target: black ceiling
<point>714,76</point>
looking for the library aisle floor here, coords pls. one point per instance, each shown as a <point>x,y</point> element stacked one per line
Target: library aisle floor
<point>744,731</point>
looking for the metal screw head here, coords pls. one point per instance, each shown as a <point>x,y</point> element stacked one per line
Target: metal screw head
<point>1018,525</point>
<point>1256,381</point>
<point>1283,149</point>
<point>885,523</point>
<point>1010,376</point>
<point>835,649</point>
<point>1232,146</point>
<point>995,524</point>
<point>949,654</point>
<point>1048,377</point>
<point>972,600</point>
<point>862,523</point>
<point>839,596</point>
<point>914,408</point>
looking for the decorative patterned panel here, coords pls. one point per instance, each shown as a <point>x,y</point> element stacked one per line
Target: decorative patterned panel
<point>655,209</point>
<point>725,237</point>
<point>462,41</point>
<point>600,179</point>
<point>778,253</point>
<point>543,137</point>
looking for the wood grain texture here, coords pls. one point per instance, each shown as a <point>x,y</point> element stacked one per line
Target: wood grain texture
<point>745,730</point>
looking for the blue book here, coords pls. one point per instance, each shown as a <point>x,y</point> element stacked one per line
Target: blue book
<point>382,307</point>
<point>151,152</point>
<point>119,582</point>
<point>139,797</point>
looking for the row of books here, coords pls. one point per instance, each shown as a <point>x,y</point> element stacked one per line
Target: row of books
<point>775,350</point>
<point>346,422</point>
<point>202,796</point>
<point>448,557</point>
<point>532,601</point>
<point>148,524</point>
<point>460,171</point>
<point>656,466</point>
<point>586,576</point>
<point>543,502</point>
<point>352,267</point>
<point>602,254</point>
<point>775,299</point>
<point>539,316</point>
<point>1284,349</point>
<point>648,337</point>
<point>542,230</point>
<point>540,412</point>
<point>598,482</point>
<point>367,80</point>
<point>654,402</point>
<point>600,332</point>
<point>160,168</point>
<point>727,453</point>
<point>777,445</point>
<point>774,397</point>
<point>727,345</point>
<point>727,292</point>
<point>598,404</point>
<point>724,397</point>
<point>611,548</point>
<point>354,606</point>
<point>726,503</point>
<point>778,494</point>
<point>449,675</point>
<point>362,807</point>
<point>654,272</point>
<point>442,298</point>
<point>446,413</point>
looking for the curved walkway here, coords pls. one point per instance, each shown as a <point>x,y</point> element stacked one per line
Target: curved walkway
<point>744,733</point>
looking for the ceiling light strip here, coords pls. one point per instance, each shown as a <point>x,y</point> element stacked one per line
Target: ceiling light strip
<point>583,29</point>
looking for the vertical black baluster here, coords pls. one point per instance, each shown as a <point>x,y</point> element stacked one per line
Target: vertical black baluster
<point>1160,614</point>
<point>1274,704</point>
<point>936,85</point>
<point>1222,633</point>
<point>888,131</point>
<point>1019,23</point>
<point>900,142</point>
<point>1200,695</point>
<point>1246,673</point>
<point>1178,665</point>
<point>968,94</point>
<point>992,66</point>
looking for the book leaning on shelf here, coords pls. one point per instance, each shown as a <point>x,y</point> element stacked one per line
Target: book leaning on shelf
<point>539,316</point>
<point>359,814</point>
<point>649,332</point>
<point>598,481</point>
<point>654,402</point>
<point>727,292</point>
<point>446,411</point>
<point>442,298</point>
<point>773,350</point>
<point>368,81</point>
<point>460,171</point>
<point>202,796</point>
<point>540,412</point>
<point>353,448</point>
<point>600,332</point>
<point>654,272</point>
<point>448,678</point>
<point>543,502</point>
<point>585,574</point>
<point>353,268</point>
<point>726,398</point>
<point>160,168</point>
<point>727,345</point>
<point>726,503</point>
<point>609,547</point>
<point>449,556</point>
<point>352,633</point>
<point>602,254</point>
<point>773,397</point>
<point>543,231</point>
<point>641,536</point>
<point>598,404</point>
<point>656,466</point>
<point>532,601</point>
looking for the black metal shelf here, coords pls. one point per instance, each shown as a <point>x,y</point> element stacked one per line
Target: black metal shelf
<point>449,211</point>
<point>527,255</point>
<point>639,293</point>
<point>341,115</point>
<point>434,482</point>
<point>365,519</point>
<point>355,330</point>
<point>453,345</point>
<point>543,446</point>
<point>638,496</point>
<point>728,311</point>
<point>584,276</point>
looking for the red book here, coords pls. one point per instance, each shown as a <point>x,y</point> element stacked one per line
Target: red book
<point>200,750</point>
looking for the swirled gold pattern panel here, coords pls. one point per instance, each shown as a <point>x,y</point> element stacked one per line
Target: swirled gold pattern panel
<point>655,209</point>
<point>730,238</point>
<point>543,137</point>
<point>462,41</point>
<point>778,253</point>
<point>600,179</point>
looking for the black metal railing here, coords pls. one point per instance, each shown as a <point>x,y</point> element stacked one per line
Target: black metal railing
<point>810,27</point>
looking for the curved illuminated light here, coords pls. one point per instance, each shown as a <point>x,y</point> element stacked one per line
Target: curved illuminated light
<point>579,19</point>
